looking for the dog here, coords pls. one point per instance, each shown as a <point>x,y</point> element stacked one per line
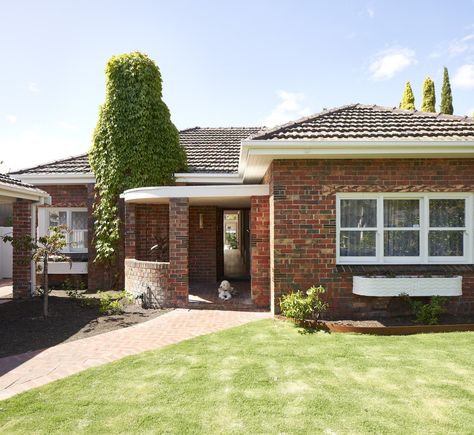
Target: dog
<point>226,291</point>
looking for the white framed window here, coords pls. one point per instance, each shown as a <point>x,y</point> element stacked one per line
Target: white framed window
<point>404,228</point>
<point>74,218</point>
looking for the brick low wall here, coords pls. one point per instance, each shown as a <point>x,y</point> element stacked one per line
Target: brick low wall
<point>150,279</point>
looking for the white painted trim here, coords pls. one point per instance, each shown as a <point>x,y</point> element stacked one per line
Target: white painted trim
<point>268,150</point>
<point>424,228</point>
<point>413,286</point>
<point>32,263</point>
<point>216,178</point>
<point>47,179</point>
<point>64,267</point>
<point>29,193</point>
<point>145,194</point>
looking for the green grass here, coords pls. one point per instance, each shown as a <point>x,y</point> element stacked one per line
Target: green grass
<point>265,377</point>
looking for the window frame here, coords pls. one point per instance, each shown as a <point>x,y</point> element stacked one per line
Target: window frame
<point>43,225</point>
<point>423,258</point>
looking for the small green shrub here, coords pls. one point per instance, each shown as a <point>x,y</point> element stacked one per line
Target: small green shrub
<point>426,313</point>
<point>113,303</point>
<point>303,306</point>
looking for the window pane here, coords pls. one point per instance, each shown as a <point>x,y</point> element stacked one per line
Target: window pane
<point>401,213</point>
<point>79,239</point>
<point>358,213</point>
<point>446,243</point>
<point>79,220</point>
<point>402,243</point>
<point>446,213</point>
<point>57,218</point>
<point>357,244</point>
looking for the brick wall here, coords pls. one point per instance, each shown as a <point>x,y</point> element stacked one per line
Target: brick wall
<point>73,195</point>
<point>178,250</point>
<point>260,250</point>
<point>21,258</point>
<point>303,230</point>
<point>152,221</point>
<point>149,280</point>
<point>203,244</point>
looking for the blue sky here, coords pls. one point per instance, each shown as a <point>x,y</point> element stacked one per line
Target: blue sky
<point>223,63</point>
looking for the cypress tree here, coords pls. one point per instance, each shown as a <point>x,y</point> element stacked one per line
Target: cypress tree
<point>408,99</point>
<point>429,98</point>
<point>135,144</point>
<point>446,95</point>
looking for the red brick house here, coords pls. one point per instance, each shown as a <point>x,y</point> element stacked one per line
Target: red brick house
<point>365,200</point>
<point>24,200</point>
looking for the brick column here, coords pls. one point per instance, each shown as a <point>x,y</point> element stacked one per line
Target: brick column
<point>21,258</point>
<point>260,250</point>
<point>130,231</point>
<point>179,251</point>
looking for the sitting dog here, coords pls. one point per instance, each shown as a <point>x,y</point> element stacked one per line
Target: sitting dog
<point>226,291</point>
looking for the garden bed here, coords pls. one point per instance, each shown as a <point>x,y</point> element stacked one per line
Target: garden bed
<point>22,327</point>
<point>392,326</point>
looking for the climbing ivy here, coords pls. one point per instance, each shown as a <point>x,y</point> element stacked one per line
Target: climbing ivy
<point>135,143</point>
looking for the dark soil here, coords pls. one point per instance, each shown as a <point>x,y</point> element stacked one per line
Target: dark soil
<point>23,328</point>
<point>445,319</point>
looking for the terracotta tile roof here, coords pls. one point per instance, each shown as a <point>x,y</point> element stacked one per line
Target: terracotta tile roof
<point>358,121</point>
<point>208,150</point>
<point>214,149</point>
<point>6,179</point>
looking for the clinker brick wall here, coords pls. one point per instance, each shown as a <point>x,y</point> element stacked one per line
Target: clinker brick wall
<point>304,222</point>
<point>260,250</point>
<point>21,258</point>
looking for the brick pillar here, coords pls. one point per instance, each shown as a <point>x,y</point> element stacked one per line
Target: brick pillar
<point>260,250</point>
<point>178,248</point>
<point>21,257</point>
<point>130,231</point>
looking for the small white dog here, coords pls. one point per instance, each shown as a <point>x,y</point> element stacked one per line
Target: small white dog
<point>225,290</point>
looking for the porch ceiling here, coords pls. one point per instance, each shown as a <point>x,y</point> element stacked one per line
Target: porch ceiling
<point>220,195</point>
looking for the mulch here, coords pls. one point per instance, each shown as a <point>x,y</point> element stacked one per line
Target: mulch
<point>23,328</point>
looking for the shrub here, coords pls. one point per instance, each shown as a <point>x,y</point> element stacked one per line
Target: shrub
<point>302,306</point>
<point>113,303</point>
<point>426,313</point>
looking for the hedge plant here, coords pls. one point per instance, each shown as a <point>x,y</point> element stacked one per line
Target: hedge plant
<point>135,143</point>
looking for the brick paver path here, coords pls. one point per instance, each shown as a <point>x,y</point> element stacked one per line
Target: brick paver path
<point>28,370</point>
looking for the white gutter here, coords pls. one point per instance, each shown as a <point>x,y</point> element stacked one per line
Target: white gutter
<point>29,193</point>
<point>215,178</point>
<point>47,179</point>
<point>256,155</point>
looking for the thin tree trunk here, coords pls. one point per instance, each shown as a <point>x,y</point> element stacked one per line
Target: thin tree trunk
<point>46,286</point>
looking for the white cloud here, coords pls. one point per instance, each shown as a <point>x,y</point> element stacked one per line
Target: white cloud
<point>33,87</point>
<point>388,62</point>
<point>289,108</point>
<point>464,77</point>
<point>460,46</point>
<point>371,12</point>
<point>11,119</point>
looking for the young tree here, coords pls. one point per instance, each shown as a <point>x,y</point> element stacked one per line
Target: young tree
<point>42,251</point>
<point>135,143</point>
<point>408,99</point>
<point>429,97</point>
<point>446,95</point>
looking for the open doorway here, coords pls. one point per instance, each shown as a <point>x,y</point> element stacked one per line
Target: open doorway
<point>236,244</point>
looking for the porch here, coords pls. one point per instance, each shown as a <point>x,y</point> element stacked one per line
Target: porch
<point>182,241</point>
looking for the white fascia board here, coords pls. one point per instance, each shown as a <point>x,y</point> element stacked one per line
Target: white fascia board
<point>340,149</point>
<point>212,178</point>
<point>48,179</point>
<point>222,191</point>
<point>21,192</point>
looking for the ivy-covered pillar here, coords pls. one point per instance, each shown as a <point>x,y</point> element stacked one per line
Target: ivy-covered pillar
<point>178,251</point>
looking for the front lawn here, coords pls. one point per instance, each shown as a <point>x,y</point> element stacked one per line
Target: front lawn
<point>265,377</point>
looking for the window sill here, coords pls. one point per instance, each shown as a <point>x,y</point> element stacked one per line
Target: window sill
<point>411,285</point>
<point>66,268</point>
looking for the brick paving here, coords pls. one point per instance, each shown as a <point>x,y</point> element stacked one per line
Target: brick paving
<point>22,372</point>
